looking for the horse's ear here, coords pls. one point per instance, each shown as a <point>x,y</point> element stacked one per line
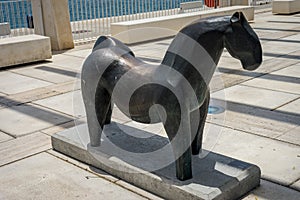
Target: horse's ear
<point>235,17</point>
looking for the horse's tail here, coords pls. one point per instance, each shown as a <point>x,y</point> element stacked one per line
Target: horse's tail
<point>107,42</point>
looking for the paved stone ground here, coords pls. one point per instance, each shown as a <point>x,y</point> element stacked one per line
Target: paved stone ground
<point>260,122</point>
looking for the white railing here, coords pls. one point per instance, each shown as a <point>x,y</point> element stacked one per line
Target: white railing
<point>17,16</point>
<point>91,18</point>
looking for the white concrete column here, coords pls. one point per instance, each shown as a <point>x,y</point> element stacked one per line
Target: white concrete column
<point>37,13</point>
<point>52,18</point>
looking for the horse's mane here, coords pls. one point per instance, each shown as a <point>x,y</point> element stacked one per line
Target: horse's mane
<point>206,25</point>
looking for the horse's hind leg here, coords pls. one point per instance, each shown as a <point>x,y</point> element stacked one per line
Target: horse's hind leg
<point>108,114</point>
<point>181,145</point>
<point>97,102</point>
<point>203,110</point>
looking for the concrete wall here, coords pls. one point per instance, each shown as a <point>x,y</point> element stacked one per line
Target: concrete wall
<point>154,28</point>
<point>52,18</point>
<point>285,6</point>
<point>24,49</point>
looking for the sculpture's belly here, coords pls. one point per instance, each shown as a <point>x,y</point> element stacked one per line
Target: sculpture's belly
<point>142,104</point>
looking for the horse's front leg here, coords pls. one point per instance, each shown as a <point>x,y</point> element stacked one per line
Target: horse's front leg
<point>198,127</point>
<point>177,128</point>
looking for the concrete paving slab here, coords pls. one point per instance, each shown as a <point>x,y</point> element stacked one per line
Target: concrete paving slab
<point>29,118</point>
<point>270,191</point>
<point>296,185</point>
<point>294,37</point>
<point>278,49</point>
<point>279,161</point>
<point>291,136</point>
<point>70,103</point>
<point>23,147</point>
<point>48,177</point>
<point>66,87</point>
<point>69,62</point>
<point>150,53</point>
<point>80,53</point>
<point>48,72</point>
<point>98,172</point>
<point>229,63</point>
<point>291,71</point>
<point>228,79</point>
<point>4,137</point>
<point>274,35</point>
<point>28,96</point>
<point>292,107</point>
<point>140,191</point>
<point>55,129</point>
<point>255,96</point>
<point>215,176</point>
<point>277,82</point>
<point>258,121</point>
<point>12,83</point>
<point>104,175</point>
<point>277,63</point>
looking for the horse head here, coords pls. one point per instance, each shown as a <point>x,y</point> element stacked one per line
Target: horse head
<point>242,42</point>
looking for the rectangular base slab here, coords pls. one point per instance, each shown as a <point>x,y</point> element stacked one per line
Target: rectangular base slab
<point>145,160</point>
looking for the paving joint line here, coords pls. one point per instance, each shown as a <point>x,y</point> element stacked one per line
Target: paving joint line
<point>280,184</point>
<point>25,157</point>
<point>274,109</point>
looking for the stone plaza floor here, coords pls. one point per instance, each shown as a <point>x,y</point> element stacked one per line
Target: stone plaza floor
<point>260,122</point>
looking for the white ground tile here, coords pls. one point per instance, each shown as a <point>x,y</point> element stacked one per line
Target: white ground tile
<point>263,122</point>
<point>68,62</point>
<point>84,166</point>
<point>48,72</point>
<point>70,103</point>
<point>12,83</point>
<point>292,136</point>
<point>272,47</point>
<point>295,37</point>
<point>271,191</point>
<point>4,137</point>
<point>292,71</point>
<point>293,107</point>
<point>80,53</point>
<point>285,79</point>
<point>229,63</point>
<point>48,177</point>
<point>66,86</point>
<point>25,119</point>
<point>276,82</point>
<point>296,185</point>
<point>279,161</point>
<point>275,64</point>
<point>23,147</point>
<point>255,96</point>
<point>138,190</point>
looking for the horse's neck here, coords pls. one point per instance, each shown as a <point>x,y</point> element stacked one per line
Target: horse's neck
<point>186,54</point>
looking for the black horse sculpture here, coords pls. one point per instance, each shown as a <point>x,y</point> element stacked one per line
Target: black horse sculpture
<point>188,65</point>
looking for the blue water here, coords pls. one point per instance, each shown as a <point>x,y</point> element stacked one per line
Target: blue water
<point>87,9</point>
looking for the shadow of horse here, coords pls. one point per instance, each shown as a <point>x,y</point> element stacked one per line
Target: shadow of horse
<point>174,92</point>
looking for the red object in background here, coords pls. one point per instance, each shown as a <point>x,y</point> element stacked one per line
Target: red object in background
<point>211,3</point>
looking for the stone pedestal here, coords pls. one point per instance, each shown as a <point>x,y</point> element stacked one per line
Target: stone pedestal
<point>51,18</point>
<point>137,157</point>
